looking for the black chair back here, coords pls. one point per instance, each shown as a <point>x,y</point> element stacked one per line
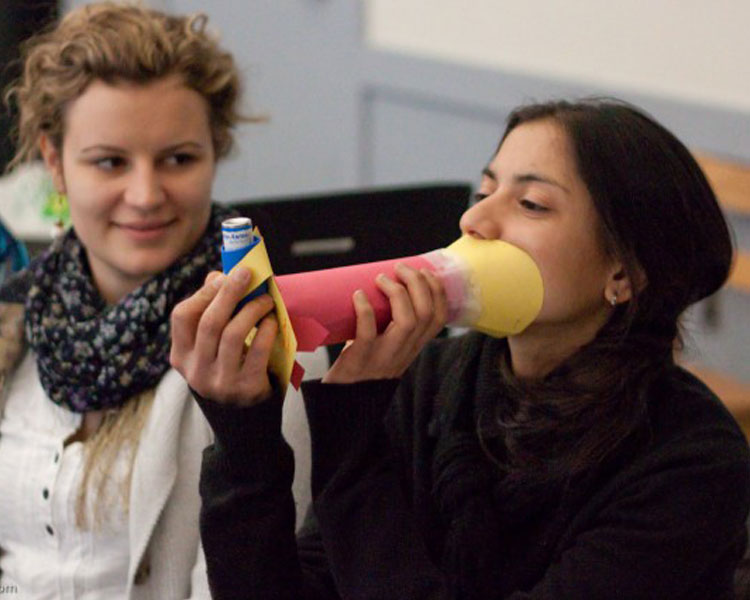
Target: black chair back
<point>321,231</point>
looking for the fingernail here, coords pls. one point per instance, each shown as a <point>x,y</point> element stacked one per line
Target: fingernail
<point>241,275</point>
<point>218,280</point>
<point>382,277</point>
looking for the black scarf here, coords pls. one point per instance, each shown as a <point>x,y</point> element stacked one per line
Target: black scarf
<point>92,356</point>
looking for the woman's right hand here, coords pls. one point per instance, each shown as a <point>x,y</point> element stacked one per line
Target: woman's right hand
<point>208,343</point>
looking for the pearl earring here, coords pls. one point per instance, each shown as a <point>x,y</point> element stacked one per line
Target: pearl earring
<point>613,299</point>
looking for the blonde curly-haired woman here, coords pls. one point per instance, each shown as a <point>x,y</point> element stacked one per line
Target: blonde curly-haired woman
<point>100,443</point>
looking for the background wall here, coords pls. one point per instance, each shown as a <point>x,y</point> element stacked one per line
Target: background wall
<point>683,49</point>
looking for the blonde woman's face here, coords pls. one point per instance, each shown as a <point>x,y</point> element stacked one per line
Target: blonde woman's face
<point>137,165</point>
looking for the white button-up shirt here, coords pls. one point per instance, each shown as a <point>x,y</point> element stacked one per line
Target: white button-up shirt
<point>44,552</point>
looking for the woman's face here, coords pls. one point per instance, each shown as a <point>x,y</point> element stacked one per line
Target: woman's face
<point>532,197</point>
<point>137,165</point>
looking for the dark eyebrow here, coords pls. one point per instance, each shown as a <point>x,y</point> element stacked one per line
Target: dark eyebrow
<point>526,178</point>
<point>536,178</point>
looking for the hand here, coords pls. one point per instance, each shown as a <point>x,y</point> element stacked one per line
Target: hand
<point>419,311</point>
<point>208,343</point>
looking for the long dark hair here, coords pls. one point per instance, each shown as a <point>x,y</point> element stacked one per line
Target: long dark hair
<point>661,219</point>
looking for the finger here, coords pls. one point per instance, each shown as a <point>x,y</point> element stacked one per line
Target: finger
<point>258,355</point>
<point>439,303</point>
<point>187,314</point>
<point>232,345</point>
<point>217,314</point>
<point>420,295</point>
<point>356,353</point>
<point>245,383</point>
<point>403,319</point>
<point>212,276</point>
<point>367,328</point>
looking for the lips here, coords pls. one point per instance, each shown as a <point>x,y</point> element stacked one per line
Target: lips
<point>146,226</point>
<point>147,232</point>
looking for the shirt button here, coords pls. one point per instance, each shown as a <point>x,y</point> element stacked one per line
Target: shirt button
<point>45,493</point>
<point>50,530</point>
<point>57,456</point>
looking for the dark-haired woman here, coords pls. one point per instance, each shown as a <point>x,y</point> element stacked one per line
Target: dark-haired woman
<point>574,460</point>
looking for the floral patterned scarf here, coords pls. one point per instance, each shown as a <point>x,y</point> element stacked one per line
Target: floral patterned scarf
<point>92,356</point>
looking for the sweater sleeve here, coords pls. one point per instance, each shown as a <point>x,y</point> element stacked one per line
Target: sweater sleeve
<point>361,543</point>
<point>364,517</point>
<point>248,514</point>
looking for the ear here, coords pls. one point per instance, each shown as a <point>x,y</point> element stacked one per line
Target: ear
<point>619,287</point>
<point>52,157</point>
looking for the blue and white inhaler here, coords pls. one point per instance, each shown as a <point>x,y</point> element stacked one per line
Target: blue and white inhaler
<point>238,238</point>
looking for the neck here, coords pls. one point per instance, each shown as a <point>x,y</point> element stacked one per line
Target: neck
<point>113,285</point>
<point>114,291</point>
<point>541,348</point>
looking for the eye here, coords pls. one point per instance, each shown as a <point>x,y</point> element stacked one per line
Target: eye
<point>109,163</point>
<point>180,159</point>
<point>478,197</point>
<point>532,206</point>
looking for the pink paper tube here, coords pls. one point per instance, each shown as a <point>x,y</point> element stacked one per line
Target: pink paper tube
<point>320,306</point>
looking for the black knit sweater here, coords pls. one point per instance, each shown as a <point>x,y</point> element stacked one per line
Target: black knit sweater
<point>407,504</point>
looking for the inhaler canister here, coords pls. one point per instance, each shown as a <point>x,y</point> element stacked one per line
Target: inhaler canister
<point>238,239</point>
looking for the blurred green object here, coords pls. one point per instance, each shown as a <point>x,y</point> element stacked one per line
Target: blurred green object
<point>56,209</point>
<point>30,206</point>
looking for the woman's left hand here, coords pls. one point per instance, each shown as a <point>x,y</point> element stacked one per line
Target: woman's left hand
<point>419,311</point>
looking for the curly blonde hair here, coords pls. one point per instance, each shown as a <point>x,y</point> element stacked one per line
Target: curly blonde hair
<point>120,42</point>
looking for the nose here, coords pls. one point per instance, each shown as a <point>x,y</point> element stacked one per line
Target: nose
<point>482,220</point>
<point>144,188</point>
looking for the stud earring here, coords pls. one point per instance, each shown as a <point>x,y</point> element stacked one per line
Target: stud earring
<point>613,300</point>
